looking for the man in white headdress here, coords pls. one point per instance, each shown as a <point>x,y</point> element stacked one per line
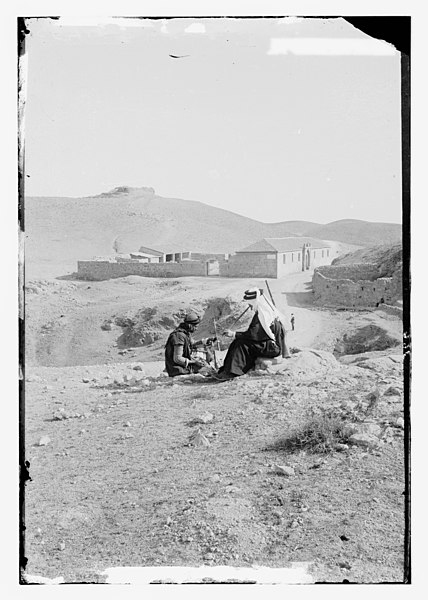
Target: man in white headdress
<point>265,337</point>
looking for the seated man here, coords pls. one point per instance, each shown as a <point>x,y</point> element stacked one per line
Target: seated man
<point>258,340</point>
<point>179,348</point>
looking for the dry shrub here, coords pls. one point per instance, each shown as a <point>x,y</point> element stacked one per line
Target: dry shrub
<point>319,434</point>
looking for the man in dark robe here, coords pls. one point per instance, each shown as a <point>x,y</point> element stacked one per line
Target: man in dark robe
<point>258,340</point>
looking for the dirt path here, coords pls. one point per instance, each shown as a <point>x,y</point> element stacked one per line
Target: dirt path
<point>293,295</point>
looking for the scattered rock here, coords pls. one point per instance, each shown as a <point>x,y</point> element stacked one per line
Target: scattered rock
<point>61,546</point>
<point>205,418</point>
<point>392,391</point>
<point>138,368</point>
<point>232,489</point>
<point>373,395</point>
<point>369,428</point>
<point>344,565</point>
<point>364,440</point>
<point>350,429</point>
<point>44,441</point>
<point>344,538</point>
<point>341,447</point>
<point>127,424</point>
<point>85,380</point>
<point>400,423</point>
<point>60,415</point>
<point>215,478</point>
<point>198,439</point>
<point>284,470</point>
<point>209,556</point>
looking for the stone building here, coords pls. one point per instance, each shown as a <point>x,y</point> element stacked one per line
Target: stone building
<point>277,257</point>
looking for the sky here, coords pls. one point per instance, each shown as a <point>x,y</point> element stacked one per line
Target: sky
<point>275,119</point>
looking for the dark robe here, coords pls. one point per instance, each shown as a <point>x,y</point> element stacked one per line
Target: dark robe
<point>247,346</point>
<point>179,337</point>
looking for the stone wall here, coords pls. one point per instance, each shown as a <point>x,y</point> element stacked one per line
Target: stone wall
<point>250,265</point>
<point>338,290</point>
<point>208,256</point>
<point>354,272</point>
<point>98,270</point>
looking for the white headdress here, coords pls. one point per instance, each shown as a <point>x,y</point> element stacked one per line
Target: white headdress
<point>266,311</point>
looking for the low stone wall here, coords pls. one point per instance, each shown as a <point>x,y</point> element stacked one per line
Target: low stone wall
<point>397,311</point>
<point>244,265</point>
<point>354,272</point>
<point>345,292</point>
<point>98,270</point>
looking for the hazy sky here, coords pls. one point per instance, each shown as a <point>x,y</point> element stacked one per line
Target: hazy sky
<point>275,119</point>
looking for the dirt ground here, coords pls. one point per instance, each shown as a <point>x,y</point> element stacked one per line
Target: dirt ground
<point>119,483</point>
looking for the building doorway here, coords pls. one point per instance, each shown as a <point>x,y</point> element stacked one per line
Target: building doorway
<point>307,260</point>
<point>213,268</point>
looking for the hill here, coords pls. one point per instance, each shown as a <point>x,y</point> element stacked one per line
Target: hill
<point>389,258</point>
<point>293,227</point>
<point>360,233</point>
<point>60,231</point>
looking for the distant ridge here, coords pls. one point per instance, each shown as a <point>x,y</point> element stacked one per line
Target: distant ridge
<point>60,231</point>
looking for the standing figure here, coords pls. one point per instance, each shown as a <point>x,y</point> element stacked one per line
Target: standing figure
<point>258,340</point>
<point>292,322</point>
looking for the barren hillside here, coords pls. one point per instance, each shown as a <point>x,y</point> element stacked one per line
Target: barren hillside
<point>61,231</point>
<point>389,257</point>
<point>360,233</point>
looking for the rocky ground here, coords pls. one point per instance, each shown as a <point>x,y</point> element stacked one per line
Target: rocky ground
<point>298,462</point>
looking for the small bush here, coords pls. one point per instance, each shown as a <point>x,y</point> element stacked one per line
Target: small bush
<point>319,434</point>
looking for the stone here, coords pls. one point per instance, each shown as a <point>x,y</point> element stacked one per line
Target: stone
<point>373,395</point>
<point>284,470</point>
<point>364,440</point>
<point>198,439</point>
<point>209,556</point>
<point>341,447</point>
<point>215,478</point>
<point>369,428</point>
<point>127,424</point>
<point>205,418</point>
<point>350,429</point>
<point>61,546</point>
<point>44,440</point>
<point>137,368</point>
<point>85,380</point>
<point>392,391</point>
<point>400,423</point>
